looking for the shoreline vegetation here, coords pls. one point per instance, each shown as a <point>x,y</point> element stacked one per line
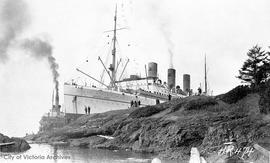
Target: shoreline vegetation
<point>172,128</point>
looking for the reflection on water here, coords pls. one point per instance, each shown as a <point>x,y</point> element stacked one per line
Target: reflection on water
<point>41,153</point>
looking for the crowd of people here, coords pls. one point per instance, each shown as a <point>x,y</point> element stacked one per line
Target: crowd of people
<point>135,103</point>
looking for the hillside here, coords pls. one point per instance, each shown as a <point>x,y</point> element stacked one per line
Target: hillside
<point>172,128</point>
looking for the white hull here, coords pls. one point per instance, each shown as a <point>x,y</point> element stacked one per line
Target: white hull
<point>99,100</point>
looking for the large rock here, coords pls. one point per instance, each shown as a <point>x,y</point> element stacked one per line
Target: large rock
<point>20,145</point>
<point>87,141</point>
<point>171,129</point>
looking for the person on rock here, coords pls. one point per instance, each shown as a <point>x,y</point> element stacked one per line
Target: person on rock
<point>199,91</point>
<point>89,109</point>
<point>131,103</point>
<point>135,104</point>
<point>85,109</point>
<point>169,97</point>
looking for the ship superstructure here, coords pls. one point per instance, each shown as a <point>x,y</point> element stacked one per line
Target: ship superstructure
<point>122,93</point>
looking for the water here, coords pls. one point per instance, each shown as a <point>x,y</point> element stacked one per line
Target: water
<point>42,153</point>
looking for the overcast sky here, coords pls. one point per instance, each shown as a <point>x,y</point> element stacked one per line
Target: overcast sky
<point>224,30</point>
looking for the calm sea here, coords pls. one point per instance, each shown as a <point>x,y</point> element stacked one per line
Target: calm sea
<point>42,153</point>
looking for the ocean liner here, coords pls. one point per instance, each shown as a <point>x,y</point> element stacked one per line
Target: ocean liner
<point>122,93</point>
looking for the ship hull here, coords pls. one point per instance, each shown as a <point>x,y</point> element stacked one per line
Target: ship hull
<point>76,98</point>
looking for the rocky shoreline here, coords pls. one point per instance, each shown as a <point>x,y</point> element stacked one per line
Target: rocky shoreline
<point>171,129</point>
<point>12,144</point>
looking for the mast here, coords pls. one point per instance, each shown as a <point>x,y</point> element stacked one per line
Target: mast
<point>53,97</point>
<point>205,75</point>
<point>112,66</point>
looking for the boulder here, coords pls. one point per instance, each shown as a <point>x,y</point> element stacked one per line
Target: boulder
<point>12,144</point>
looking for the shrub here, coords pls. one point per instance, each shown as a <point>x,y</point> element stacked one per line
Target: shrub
<point>264,102</point>
<point>146,111</point>
<point>200,103</point>
<point>235,94</point>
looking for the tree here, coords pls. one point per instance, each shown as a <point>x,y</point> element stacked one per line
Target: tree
<point>264,71</point>
<point>266,67</point>
<point>253,70</point>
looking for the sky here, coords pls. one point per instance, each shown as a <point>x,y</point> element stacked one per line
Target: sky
<point>223,30</point>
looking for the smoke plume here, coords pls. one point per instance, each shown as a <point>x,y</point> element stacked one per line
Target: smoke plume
<point>164,23</point>
<point>164,26</point>
<point>40,49</point>
<point>170,58</point>
<point>14,19</point>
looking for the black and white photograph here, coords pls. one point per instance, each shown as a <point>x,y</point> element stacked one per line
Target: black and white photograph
<point>134,81</point>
